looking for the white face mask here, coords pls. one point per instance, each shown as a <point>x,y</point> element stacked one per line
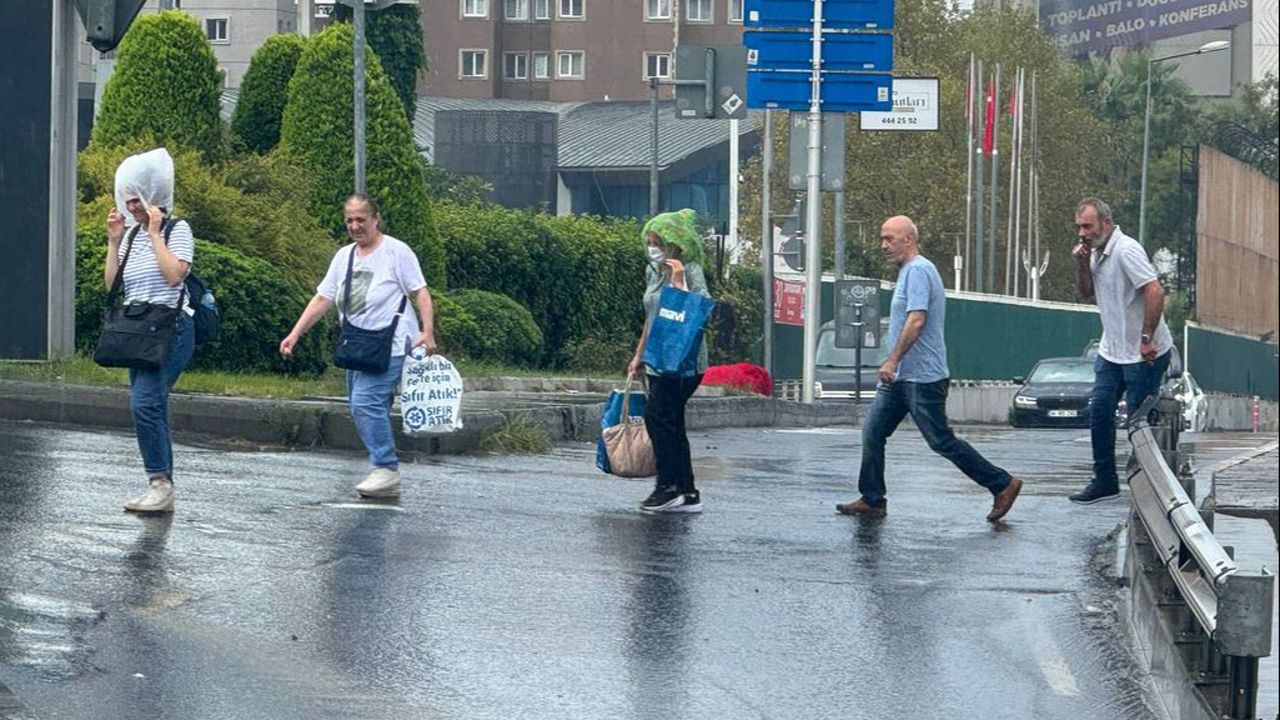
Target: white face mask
<point>656,255</point>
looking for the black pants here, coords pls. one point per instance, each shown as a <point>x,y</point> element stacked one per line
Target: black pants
<point>664,419</point>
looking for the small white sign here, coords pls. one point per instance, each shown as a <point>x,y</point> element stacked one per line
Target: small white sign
<point>915,107</point>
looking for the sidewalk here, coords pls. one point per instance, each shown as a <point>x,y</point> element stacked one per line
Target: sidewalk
<point>1244,495</point>
<point>567,414</point>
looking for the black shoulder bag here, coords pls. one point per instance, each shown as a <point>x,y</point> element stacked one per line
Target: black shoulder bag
<point>136,335</point>
<point>363,350</point>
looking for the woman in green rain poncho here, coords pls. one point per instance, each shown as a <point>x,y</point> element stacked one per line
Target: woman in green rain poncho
<point>675,259</point>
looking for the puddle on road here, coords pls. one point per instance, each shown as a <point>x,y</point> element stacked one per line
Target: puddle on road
<point>45,633</point>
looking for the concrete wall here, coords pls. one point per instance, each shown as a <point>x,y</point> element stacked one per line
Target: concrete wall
<point>1231,412</point>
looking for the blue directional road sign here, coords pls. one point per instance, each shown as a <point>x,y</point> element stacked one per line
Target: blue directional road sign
<point>840,14</point>
<point>841,92</point>
<point>780,50</point>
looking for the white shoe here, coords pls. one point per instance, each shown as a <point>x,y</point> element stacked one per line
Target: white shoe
<point>157,499</point>
<point>380,483</point>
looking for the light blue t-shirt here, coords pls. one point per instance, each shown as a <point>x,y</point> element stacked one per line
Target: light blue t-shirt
<point>920,288</point>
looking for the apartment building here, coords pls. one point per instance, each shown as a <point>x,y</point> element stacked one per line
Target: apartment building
<point>565,50</point>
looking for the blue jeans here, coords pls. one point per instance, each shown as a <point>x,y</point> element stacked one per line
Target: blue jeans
<point>369,397</point>
<point>1137,381</point>
<point>927,405</point>
<point>149,399</point>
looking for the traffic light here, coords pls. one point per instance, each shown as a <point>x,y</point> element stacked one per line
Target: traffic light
<point>107,20</point>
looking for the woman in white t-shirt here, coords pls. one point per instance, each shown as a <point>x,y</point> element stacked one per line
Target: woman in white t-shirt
<point>153,273</point>
<point>384,271</point>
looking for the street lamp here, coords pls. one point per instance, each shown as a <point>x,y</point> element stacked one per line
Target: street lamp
<point>1208,47</point>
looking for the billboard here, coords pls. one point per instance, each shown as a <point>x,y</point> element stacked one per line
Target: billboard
<point>1079,27</point>
<point>915,107</point>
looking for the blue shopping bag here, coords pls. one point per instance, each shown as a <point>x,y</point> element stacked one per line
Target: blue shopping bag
<point>676,334</point>
<point>613,416</point>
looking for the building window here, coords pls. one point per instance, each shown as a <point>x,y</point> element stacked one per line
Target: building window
<point>699,10</point>
<point>541,9</point>
<point>572,9</point>
<point>657,9</point>
<point>541,66</point>
<point>515,9</point>
<point>570,64</point>
<point>657,65</point>
<point>473,63</point>
<point>218,30</point>
<point>735,11</point>
<point>475,8</point>
<point>515,66</point>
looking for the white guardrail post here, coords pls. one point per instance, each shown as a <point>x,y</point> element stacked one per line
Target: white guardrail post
<point>1233,608</point>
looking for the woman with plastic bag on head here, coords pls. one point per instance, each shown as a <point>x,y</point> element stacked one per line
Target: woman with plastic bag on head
<point>675,264</point>
<point>150,255</point>
<point>370,280</point>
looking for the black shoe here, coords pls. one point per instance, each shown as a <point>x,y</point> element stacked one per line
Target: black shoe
<point>663,499</point>
<point>1095,492</point>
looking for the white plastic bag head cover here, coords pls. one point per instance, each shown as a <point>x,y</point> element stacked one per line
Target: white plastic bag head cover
<point>148,177</point>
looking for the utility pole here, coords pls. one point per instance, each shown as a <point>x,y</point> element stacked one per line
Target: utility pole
<point>357,14</point>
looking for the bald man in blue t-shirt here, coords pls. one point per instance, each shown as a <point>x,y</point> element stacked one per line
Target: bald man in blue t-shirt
<point>914,379</point>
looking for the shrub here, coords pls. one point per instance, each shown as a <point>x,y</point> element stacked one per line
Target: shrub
<point>509,335</point>
<point>248,205</point>
<point>456,329</point>
<point>166,88</point>
<point>259,306</point>
<point>256,123</point>
<point>579,277</point>
<point>317,134</point>
<point>736,328</point>
<point>395,34</point>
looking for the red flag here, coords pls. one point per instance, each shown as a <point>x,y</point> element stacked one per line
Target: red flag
<point>988,139</point>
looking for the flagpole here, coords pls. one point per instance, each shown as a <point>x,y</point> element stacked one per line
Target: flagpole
<point>1010,251</point>
<point>980,238</point>
<point>1017,204</point>
<point>995,181</point>
<point>969,97</point>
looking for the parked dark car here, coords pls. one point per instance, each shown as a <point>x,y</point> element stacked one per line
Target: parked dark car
<point>1055,394</point>
<point>835,372</point>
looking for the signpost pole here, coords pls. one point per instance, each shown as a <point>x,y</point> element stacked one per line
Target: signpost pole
<point>653,148</point>
<point>357,14</point>
<point>766,239</point>
<point>813,224</point>
<point>857,358</point>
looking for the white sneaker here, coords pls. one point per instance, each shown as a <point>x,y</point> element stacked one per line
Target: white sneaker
<point>380,483</point>
<point>157,499</point>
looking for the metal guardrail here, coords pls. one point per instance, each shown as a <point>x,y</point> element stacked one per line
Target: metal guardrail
<point>1231,607</point>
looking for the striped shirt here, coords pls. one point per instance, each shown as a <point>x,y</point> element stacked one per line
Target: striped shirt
<point>143,281</point>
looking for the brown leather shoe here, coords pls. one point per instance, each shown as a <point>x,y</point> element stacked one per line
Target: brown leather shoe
<point>1004,501</point>
<point>861,507</point>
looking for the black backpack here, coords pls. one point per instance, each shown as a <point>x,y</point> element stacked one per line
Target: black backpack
<point>208,318</point>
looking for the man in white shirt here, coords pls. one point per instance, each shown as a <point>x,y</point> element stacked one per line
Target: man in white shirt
<point>1113,270</point>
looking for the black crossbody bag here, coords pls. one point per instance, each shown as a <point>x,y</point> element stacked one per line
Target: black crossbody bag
<point>136,335</point>
<point>363,350</point>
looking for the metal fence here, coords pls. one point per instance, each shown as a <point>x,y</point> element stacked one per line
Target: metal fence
<point>1230,610</point>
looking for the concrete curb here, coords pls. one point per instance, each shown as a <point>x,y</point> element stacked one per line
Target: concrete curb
<point>327,423</point>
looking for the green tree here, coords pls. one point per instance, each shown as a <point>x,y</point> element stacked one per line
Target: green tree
<point>317,135</point>
<point>395,34</point>
<point>1257,110</point>
<point>166,88</point>
<point>256,123</point>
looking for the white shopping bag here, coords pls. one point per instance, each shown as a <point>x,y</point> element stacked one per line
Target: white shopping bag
<point>430,394</point>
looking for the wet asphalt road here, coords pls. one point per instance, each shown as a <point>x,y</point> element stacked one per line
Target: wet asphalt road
<point>530,587</point>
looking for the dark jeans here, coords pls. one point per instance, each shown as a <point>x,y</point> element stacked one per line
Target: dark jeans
<point>927,404</point>
<point>664,419</point>
<point>149,399</point>
<point>1137,381</point>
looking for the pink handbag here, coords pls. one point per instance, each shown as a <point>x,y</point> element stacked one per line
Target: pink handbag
<point>628,445</point>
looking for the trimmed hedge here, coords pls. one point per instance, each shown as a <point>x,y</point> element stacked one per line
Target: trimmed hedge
<point>166,88</point>
<point>395,34</point>
<point>256,123</point>
<point>259,306</point>
<point>456,329</point>
<point>317,133</point>
<point>579,277</point>
<point>509,334</point>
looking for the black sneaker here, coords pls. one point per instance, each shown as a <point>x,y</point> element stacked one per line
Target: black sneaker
<point>692,503</point>
<point>663,499</point>
<point>1095,492</point>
